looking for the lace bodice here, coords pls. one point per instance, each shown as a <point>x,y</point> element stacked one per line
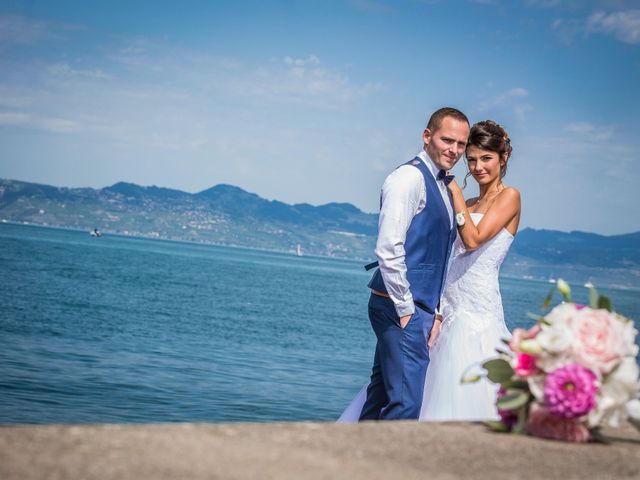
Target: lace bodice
<point>472,280</point>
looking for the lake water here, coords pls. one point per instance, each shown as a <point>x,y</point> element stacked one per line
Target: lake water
<point>128,330</point>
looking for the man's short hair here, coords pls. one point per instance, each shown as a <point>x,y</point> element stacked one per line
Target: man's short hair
<point>439,115</point>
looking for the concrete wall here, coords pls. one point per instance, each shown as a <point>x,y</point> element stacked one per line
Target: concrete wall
<point>383,450</point>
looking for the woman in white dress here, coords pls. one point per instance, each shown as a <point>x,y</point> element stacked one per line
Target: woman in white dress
<point>472,322</point>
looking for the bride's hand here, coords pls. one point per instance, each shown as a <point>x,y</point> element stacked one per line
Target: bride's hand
<point>453,186</point>
<point>435,330</point>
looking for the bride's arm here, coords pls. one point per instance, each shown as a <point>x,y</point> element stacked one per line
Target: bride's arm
<point>505,207</point>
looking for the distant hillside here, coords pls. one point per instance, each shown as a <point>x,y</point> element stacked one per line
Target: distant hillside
<point>588,249</point>
<point>223,214</point>
<point>228,215</point>
<point>576,256</point>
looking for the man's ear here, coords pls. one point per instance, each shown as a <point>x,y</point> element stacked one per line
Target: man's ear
<point>426,136</point>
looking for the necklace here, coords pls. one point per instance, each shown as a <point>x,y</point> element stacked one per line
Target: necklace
<point>488,195</point>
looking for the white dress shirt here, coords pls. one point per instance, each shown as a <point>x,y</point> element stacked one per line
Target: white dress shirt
<point>403,196</point>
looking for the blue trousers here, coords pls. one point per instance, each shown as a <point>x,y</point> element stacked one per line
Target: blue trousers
<point>400,362</point>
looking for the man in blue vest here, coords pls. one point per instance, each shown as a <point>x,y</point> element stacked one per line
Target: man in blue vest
<point>416,230</point>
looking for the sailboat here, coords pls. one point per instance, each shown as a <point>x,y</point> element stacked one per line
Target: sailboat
<point>299,251</point>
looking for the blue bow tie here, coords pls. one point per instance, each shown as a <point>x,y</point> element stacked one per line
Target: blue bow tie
<point>442,175</point>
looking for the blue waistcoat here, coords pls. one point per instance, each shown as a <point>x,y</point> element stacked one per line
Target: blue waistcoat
<point>427,246</point>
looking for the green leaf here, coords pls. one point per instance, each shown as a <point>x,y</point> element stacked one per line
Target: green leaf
<point>498,370</point>
<point>536,317</point>
<point>516,385</point>
<point>470,379</point>
<point>497,426</point>
<point>593,297</point>
<point>604,302</point>
<point>520,425</point>
<point>547,301</point>
<point>513,400</point>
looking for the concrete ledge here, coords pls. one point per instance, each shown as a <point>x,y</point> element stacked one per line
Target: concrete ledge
<point>383,450</point>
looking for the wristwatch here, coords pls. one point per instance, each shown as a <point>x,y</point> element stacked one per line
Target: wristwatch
<point>460,218</point>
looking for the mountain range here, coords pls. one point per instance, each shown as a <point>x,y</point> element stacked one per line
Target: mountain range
<point>229,215</point>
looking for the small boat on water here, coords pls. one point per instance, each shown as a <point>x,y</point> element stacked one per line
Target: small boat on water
<point>95,233</point>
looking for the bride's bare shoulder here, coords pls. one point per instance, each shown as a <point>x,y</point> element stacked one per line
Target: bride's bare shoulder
<point>510,194</point>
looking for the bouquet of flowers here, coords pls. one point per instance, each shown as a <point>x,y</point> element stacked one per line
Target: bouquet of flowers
<point>572,373</point>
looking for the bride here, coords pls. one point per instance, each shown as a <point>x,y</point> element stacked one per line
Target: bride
<point>471,324</point>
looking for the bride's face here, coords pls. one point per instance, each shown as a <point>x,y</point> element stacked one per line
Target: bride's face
<point>484,165</point>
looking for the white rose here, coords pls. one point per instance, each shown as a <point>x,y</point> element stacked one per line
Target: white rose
<point>624,377</point>
<point>555,338</point>
<point>561,314</point>
<point>629,335</point>
<point>548,362</point>
<point>633,409</point>
<point>616,391</point>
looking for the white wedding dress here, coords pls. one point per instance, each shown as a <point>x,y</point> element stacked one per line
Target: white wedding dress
<point>472,328</point>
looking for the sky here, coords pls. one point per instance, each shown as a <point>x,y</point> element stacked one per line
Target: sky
<point>317,101</point>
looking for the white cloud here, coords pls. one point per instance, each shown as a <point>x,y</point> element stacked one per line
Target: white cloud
<point>308,81</point>
<point>503,98</point>
<point>16,29</point>
<point>591,131</point>
<point>150,95</point>
<point>50,124</point>
<point>512,100</point>
<point>300,62</point>
<point>22,30</point>
<point>65,70</point>
<point>623,25</point>
<point>13,118</point>
<point>60,125</point>
<point>520,111</point>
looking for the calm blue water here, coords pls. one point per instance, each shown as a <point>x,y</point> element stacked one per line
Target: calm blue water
<point>131,330</point>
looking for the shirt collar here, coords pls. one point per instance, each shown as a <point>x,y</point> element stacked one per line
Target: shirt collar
<point>426,159</point>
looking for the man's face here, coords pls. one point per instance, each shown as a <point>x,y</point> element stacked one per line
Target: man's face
<point>446,144</point>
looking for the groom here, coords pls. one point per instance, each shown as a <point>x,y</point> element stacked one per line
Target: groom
<point>416,230</point>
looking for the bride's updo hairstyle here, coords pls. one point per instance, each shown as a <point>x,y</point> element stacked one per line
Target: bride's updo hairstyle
<point>488,135</point>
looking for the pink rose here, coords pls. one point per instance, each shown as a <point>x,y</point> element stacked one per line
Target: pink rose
<point>526,365</point>
<point>601,339</point>
<point>541,423</point>
<point>570,391</point>
<point>520,334</point>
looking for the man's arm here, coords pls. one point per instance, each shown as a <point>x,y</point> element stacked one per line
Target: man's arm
<point>403,196</point>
